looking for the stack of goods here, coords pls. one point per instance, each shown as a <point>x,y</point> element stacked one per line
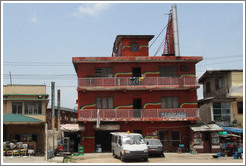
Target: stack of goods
<point>23,150</point>
<point>30,149</point>
<point>81,151</point>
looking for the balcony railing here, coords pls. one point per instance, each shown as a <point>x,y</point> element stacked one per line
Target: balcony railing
<point>137,81</point>
<point>178,114</point>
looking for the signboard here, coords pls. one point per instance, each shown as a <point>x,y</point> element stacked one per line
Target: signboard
<point>173,115</point>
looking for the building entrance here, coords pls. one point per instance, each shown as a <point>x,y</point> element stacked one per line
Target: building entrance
<point>103,140</point>
<point>170,140</point>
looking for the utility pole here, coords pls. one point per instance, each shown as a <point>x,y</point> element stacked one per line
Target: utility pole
<point>53,111</point>
<point>10,78</point>
<point>59,111</point>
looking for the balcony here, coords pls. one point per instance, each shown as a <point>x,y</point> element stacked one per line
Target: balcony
<point>114,83</point>
<point>174,114</point>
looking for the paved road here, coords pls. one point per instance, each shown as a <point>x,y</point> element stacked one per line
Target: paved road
<point>108,158</point>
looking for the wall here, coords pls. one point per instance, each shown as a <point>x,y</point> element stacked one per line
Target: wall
<point>125,69</point>
<point>235,115</point>
<point>66,117</point>
<point>7,109</point>
<point>205,112</point>
<point>143,49</point>
<point>187,99</point>
<point>215,93</point>
<point>148,129</point>
<point>236,84</point>
<point>39,130</point>
<point>24,89</point>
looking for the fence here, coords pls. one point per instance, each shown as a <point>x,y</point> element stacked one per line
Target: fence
<point>124,114</point>
<point>137,81</point>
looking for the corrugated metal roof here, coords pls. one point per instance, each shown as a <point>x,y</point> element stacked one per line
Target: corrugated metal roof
<point>18,118</point>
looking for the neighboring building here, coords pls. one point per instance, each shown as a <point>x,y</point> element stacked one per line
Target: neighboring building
<point>67,115</point>
<point>24,109</point>
<point>223,97</point>
<point>155,96</point>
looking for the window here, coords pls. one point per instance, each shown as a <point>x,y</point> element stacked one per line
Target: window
<point>240,107</point>
<point>221,111</point>
<point>104,72</point>
<point>33,108</point>
<point>218,83</point>
<point>134,47</point>
<point>17,107</point>
<point>184,68</point>
<point>208,87</point>
<point>168,71</point>
<point>104,102</point>
<point>169,102</point>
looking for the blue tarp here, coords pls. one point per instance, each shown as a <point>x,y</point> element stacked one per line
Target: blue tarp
<point>232,129</point>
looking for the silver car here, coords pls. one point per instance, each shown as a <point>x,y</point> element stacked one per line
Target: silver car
<point>155,147</point>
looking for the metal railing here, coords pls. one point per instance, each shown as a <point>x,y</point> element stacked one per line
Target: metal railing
<point>137,81</point>
<point>138,114</point>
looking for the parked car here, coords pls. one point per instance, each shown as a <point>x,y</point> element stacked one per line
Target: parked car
<point>155,147</point>
<point>129,145</point>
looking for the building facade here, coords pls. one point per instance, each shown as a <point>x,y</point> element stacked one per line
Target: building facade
<point>67,115</point>
<point>24,109</point>
<point>223,97</point>
<point>132,91</point>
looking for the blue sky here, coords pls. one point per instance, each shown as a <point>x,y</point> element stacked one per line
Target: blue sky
<point>39,40</point>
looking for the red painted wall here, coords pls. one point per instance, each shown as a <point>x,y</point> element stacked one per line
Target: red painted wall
<point>125,50</point>
<point>89,69</point>
<point>126,98</point>
<point>148,129</point>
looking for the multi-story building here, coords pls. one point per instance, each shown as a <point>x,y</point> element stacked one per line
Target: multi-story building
<point>223,97</point>
<point>67,115</point>
<point>132,91</point>
<point>24,109</point>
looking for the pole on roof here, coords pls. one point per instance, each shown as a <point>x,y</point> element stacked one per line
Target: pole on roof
<point>53,111</point>
<point>175,30</point>
<point>10,78</point>
<point>59,111</point>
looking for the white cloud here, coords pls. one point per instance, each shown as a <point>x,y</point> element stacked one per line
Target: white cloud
<point>90,9</point>
<point>34,19</point>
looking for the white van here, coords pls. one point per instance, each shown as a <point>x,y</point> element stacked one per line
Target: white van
<point>129,145</point>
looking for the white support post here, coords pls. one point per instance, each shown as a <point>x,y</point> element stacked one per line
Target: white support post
<point>175,30</point>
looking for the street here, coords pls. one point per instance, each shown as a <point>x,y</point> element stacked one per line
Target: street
<point>108,158</point>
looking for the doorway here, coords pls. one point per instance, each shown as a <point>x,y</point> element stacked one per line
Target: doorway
<point>136,72</point>
<point>74,140</point>
<point>137,105</point>
<point>207,142</point>
<point>103,138</point>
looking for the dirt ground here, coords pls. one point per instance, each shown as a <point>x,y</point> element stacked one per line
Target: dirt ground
<point>169,158</point>
<point>108,158</point>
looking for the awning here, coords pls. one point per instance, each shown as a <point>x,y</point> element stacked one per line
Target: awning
<point>208,127</point>
<point>72,127</point>
<point>233,129</point>
<point>230,135</point>
<point>108,127</point>
<point>19,119</point>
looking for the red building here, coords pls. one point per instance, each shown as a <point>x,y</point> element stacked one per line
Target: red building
<point>67,115</point>
<point>152,95</point>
